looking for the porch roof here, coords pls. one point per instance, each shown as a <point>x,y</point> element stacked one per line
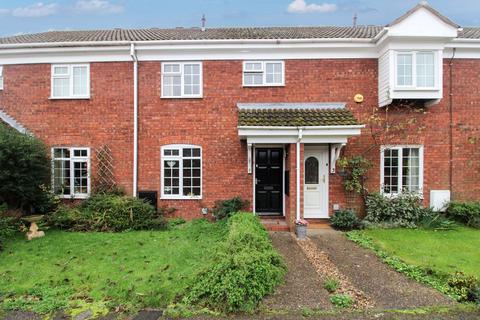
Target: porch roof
<point>294,115</point>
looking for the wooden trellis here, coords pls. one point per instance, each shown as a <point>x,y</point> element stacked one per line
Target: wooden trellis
<point>105,178</point>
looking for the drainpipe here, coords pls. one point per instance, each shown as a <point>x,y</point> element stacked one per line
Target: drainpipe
<point>135,118</point>
<point>300,132</point>
<point>450,110</point>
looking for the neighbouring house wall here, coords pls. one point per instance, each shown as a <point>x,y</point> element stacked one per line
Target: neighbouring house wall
<point>211,122</point>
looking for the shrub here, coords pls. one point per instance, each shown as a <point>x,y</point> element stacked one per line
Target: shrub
<point>354,172</point>
<point>345,220</point>
<point>436,221</point>
<point>405,210</point>
<point>7,229</point>
<point>225,208</point>
<point>25,168</point>
<point>107,212</point>
<point>247,268</point>
<point>341,300</point>
<point>464,286</point>
<point>331,285</point>
<point>171,223</point>
<point>465,212</point>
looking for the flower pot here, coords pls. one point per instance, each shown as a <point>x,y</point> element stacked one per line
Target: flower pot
<point>301,231</point>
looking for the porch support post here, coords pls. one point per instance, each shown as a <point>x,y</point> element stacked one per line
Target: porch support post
<point>298,172</point>
<point>249,157</point>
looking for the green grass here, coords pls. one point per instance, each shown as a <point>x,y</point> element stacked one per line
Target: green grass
<point>443,251</point>
<point>112,270</point>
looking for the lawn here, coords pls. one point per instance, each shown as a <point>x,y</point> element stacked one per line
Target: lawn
<point>444,251</point>
<point>126,270</point>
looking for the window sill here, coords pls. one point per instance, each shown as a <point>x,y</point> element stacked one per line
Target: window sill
<point>163,197</point>
<point>184,97</point>
<point>415,89</point>
<point>74,197</point>
<point>70,98</point>
<point>263,85</point>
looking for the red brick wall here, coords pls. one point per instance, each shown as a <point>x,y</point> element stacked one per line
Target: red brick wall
<point>211,122</point>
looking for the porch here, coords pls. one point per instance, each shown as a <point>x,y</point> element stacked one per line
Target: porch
<point>292,151</point>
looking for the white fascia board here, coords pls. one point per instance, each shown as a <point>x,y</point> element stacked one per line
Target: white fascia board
<point>327,133</point>
<point>284,140</point>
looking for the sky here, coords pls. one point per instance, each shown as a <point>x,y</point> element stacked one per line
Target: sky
<point>29,16</point>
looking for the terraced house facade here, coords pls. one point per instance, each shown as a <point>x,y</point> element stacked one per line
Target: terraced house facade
<point>191,116</point>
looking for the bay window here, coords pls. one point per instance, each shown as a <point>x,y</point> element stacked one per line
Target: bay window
<point>401,169</point>
<point>70,81</point>
<point>71,172</point>
<point>181,172</point>
<point>181,80</point>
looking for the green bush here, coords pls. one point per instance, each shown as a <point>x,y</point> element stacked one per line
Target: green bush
<point>7,229</point>
<point>405,210</point>
<point>225,208</point>
<point>436,221</point>
<point>465,212</point>
<point>331,285</point>
<point>464,286</point>
<point>345,220</point>
<point>247,268</point>
<point>25,168</point>
<point>107,212</point>
<point>341,300</point>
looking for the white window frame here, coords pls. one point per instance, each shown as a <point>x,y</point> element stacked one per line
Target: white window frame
<point>182,81</point>
<point>263,71</point>
<point>70,76</point>
<point>72,160</point>
<point>400,168</point>
<point>180,157</point>
<point>414,85</point>
<point>1,77</point>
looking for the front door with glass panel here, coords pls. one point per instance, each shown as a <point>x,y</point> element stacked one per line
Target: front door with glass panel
<point>269,181</point>
<point>316,182</point>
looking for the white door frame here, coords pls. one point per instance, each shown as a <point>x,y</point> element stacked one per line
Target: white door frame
<point>254,161</point>
<point>322,151</point>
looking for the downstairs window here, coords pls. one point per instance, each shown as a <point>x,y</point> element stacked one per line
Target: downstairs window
<point>71,172</point>
<point>181,172</point>
<point>401,169</point>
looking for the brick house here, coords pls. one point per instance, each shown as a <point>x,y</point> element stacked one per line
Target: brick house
<point>199,115</point>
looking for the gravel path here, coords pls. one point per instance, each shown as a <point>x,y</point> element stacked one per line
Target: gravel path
<point>303,287</point>
<point>388,288</point>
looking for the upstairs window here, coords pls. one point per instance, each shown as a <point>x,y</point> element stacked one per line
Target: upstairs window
<point>181,80</point>
<point>70,81</point>
<point>263,73</point>
<point>415,69</point>
<point>181,172</point>
<point>1,77</point>
<point>401,169</point>
<point>71,172</point>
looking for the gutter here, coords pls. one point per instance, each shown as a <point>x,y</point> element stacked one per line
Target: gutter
<point>135,119</point>
<point>172,42</point>
<point>361,126</point>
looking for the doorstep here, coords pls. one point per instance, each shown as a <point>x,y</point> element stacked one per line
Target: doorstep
<point>318,223</point>
<point>272,223</point>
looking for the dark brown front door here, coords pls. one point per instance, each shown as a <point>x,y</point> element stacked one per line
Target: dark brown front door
<point>269,181</point>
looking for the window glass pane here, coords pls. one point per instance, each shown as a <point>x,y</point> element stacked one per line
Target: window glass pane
<point>191,78</point>
<point>1,77</point>
<point>311,171</point>
<point>171,68</point>
<point>63,70</point>
<point>274,73</point>
<point>411,169</point>
<point>171,177</point>
<point>253,66</point>
<point>61,176</point>
<point>172,86</point>
<point>80,81</point>
<point>404,69</point>
<point>425,69</point>
<point>61,87</point>
<point>253,78</point>
<point>80,175</point>
<point>390,171</point>
<point>61,153</point>
<point>196,152</point>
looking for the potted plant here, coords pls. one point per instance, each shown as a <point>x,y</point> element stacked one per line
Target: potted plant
<point>301,228</point>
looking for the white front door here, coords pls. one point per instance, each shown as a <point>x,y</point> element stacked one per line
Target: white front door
<point>316,182</point>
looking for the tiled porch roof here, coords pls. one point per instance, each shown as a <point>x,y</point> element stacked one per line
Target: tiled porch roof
<point>295,117</point>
